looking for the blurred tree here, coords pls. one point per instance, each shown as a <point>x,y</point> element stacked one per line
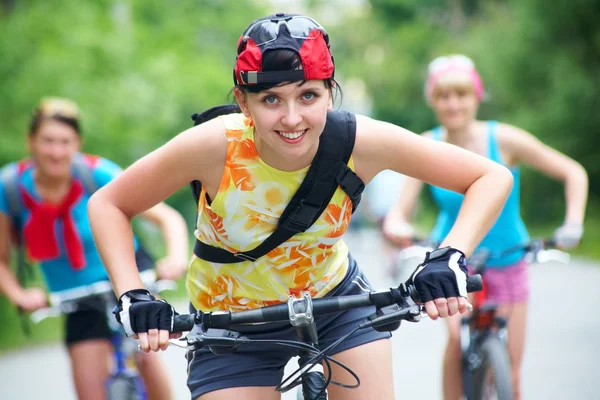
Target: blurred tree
<point>540,64</point>
<point>138,70</point>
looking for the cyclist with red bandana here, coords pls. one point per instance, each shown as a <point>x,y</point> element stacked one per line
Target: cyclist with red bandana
<point>454,90</point>
<point>250,165</point>
<point>51,195</point>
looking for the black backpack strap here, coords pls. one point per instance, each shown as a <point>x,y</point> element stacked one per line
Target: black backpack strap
<point>198,119</point>
<point>328,170</point>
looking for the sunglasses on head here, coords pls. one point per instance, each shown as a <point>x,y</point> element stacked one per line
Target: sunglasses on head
<point>441,63</point>
<point>267,30</point>
<point>59,108</point>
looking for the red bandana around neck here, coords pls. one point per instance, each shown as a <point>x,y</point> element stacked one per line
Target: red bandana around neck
<point>39,232</point>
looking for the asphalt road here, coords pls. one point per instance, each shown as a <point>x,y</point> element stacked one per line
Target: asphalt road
<point>561,359</point>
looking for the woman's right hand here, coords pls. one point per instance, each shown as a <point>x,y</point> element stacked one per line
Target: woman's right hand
<point>30,299</point>
<point>398,232</point>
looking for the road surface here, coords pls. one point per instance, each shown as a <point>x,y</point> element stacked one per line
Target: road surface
<point>561,359</point>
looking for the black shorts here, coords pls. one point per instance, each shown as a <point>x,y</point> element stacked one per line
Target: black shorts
<point>261,365</point>
<point>90,323</point>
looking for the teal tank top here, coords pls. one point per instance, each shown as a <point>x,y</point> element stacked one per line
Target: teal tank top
<point>508,231</point>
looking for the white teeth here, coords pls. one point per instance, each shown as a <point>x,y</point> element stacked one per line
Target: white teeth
<point>291,135</point>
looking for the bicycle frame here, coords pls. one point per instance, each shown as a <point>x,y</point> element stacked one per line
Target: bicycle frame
<point>475,329</point>
<point>124,368</point>
<point>484,323</point>
<point>124,348</point>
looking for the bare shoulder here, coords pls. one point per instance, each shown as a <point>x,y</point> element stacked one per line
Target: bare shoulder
<point>513,139</point>
<point>509,135</point>
<point>200,148</point>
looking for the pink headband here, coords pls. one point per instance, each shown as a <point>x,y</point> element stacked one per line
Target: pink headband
<point>442,65</point>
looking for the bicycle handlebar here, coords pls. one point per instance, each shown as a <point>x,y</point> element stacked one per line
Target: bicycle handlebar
<point>540,250</point>
<point>62,302</point>
<point>285,312</point>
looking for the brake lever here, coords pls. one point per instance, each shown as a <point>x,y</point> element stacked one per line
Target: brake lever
<point>175,342</point>
<point>543,256</point>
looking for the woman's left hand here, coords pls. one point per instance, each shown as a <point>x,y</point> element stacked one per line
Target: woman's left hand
<point>441,283</point>
<point>171,268</point>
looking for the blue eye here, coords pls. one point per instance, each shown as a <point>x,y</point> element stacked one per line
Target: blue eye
<point>308,96</point>
<point>270,99</point>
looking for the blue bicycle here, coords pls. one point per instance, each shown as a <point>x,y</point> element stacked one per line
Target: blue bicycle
<point>124,382</point>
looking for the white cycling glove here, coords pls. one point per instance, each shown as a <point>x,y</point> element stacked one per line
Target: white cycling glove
<point>568,235</point>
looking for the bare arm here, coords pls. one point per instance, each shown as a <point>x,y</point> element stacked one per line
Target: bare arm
<point>485,184</point>
<point>28,299</point>
<point>397,226</point>
<point>397,223</point>
<point>198,153</point>
<point>522,147</point>
<point>175,233</point>
<point>9,285</point>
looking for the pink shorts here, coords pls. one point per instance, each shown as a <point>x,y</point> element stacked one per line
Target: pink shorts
<point>508,284</point>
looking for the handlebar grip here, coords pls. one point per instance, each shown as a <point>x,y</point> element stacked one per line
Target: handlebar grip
<point>474,283</point>
<point>184,323</point>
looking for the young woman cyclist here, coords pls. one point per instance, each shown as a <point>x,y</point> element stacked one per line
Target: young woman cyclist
<point>56,233</point>
<point>454,90</point>
<point>250,164</point>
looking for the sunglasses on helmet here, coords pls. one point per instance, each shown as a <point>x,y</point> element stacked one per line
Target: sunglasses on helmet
<point>56,107</point>
<point>267,30</point>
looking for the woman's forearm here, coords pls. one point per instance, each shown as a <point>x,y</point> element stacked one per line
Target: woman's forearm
<point>9,285</point>
<point>576,194</point>
<point>175,233</point>
<point>482,204</point>
<point>114,239</point>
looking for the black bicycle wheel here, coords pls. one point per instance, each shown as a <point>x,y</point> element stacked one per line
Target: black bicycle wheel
<point>492,380</point>
<point>123,388</point>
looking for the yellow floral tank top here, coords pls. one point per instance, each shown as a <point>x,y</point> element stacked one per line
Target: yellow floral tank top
<point>245,211</point>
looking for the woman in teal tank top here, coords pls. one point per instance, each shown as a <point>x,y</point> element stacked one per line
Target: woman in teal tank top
<point>454,90</point>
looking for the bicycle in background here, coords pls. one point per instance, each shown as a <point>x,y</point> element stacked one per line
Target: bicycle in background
<point>124,382</point>
<point>486,370</point>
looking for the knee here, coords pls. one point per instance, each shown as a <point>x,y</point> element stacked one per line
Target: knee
<point>146,360</point>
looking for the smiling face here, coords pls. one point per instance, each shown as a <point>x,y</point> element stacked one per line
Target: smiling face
<point>52,147</point>
<point>288,121</point>
<point>454,101</point>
